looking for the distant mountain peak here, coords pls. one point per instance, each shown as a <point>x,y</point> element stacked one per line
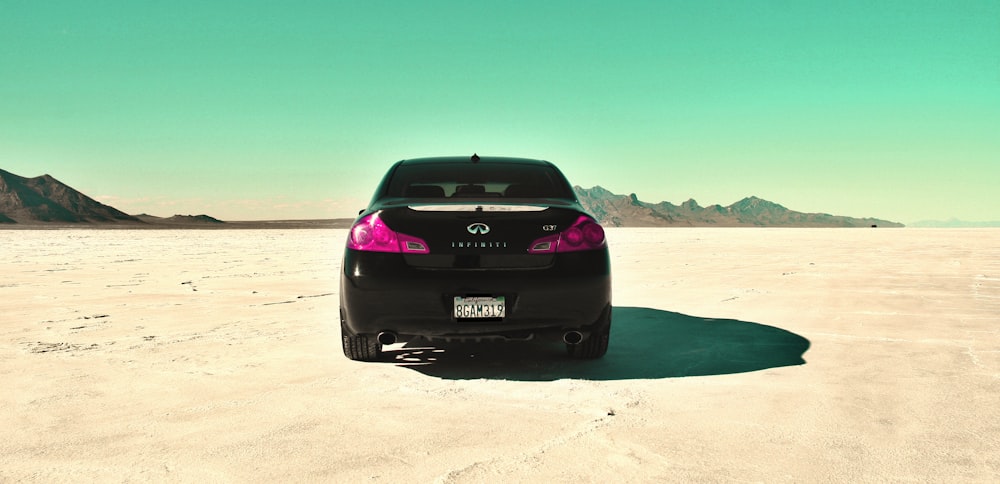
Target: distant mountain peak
<point>46,199</point>
<point>196,218</point>
<point>180,219</point>
<point>690,204</point>
<point>754,204</point>
<point>596,191</point>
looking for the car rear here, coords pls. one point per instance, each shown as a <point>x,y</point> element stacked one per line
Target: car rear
<point>475,249</point>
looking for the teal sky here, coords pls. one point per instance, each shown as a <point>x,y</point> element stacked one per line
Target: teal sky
<point>258,110</point>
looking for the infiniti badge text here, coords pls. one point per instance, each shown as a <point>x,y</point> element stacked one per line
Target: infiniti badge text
<point>478,245</point>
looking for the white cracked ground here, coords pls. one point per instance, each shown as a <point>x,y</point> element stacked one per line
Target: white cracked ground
<point>801,355</point>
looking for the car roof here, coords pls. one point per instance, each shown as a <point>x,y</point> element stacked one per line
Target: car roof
<point>474,159</point>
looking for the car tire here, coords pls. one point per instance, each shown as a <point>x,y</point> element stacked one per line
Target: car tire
<point>361,347</point>
<point>595,346</point>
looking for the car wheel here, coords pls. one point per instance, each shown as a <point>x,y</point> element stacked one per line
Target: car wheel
<point>360,347</point>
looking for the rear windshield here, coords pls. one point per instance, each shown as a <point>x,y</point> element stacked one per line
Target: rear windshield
<point>478,180</point>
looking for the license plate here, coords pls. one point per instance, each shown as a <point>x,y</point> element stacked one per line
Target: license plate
<point>480,307</point>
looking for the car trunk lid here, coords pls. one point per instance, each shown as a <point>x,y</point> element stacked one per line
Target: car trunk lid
<point>479,236</point>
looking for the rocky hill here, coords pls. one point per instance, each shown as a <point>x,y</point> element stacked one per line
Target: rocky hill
<point>45,199</point>
<point>180,219</point>
<point>628,211</point>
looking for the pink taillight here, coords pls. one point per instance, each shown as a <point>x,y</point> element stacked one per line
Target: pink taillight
<point>593,234</point>
<point>584,234</point>
<point>373,235</point>
<point>573,236</point>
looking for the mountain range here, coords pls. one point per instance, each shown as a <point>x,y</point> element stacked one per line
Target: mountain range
<point>615,210</point>
<point>44,199</point>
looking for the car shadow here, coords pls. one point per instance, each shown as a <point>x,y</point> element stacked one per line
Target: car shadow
<point>645,343</point>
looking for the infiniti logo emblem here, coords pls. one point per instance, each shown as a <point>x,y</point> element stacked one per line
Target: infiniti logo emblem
<point>478,228</point>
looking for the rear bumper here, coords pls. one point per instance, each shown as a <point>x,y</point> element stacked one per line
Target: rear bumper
<point>379,292</point>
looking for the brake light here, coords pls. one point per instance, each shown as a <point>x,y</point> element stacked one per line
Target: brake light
<point>373,235</point>
<point>584,234</point>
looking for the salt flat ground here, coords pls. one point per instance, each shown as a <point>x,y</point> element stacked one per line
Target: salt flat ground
<point>801,355</point>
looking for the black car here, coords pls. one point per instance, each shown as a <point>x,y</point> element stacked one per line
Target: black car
<point>475,248</point>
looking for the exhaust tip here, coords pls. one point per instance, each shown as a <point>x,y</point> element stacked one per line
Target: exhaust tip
<point>573,337</point>
<point>386,337</point>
